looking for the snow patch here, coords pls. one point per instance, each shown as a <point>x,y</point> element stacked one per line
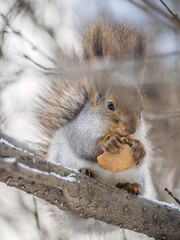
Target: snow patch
<point>10,160</point>
<point>171,205</point>
<point>71,169</point>
<point>2,140</point>
<point>32,169</point>
<point>70,178</point>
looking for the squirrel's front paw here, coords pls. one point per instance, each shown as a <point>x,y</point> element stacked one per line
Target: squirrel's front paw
<point>87,172</point>
<point>111,143</point>
<point>139,151</point>
<point>134,188</point>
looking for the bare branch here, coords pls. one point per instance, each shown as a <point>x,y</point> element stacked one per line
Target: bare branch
<point>158,13</point>
<point>174,16</point>
<point>19,33</point>
<point>85,197</point>
<point>37,64</point>
<point>100,66</point>
<point>158,16</point>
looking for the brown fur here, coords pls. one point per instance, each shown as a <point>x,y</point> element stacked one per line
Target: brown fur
<point>114,42</point>
<point>60,103</point>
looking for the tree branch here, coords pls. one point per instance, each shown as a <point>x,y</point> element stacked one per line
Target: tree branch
<point>83,196</point>
<point>174,16</point>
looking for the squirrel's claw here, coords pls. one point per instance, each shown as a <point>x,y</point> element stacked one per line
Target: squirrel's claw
<point>111,143</point>
<point>134,188</point>
<point>87,172</point>
<point>139,151</point>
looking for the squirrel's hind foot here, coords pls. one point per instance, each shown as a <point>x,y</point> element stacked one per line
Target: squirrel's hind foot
<point>134,188</point>
<point>87,172</point>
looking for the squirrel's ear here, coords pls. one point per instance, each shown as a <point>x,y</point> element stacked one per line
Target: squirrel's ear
<point>97,91</point>
<point>93,97</point>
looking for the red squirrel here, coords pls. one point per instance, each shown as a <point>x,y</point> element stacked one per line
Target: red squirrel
<point>77,114</point>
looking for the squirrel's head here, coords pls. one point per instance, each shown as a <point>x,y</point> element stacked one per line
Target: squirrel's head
<point>119,104</point>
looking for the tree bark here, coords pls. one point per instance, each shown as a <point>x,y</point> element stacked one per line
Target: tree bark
<point>83,196</point>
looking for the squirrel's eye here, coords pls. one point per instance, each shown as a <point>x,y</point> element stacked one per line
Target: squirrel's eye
<point>110,106</point>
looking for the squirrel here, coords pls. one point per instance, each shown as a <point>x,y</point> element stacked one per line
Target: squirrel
<point>77,114</point>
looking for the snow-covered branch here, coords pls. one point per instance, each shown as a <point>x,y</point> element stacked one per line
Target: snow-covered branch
<point>83,196</point>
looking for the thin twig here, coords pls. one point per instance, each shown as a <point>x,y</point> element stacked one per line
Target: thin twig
<point>100,66</point>
<point>18,33</point>
<point>157,16</point>
<point>174,16</point>
<point>171,194</point>
<point>37,64</point>
<point>156,8</point>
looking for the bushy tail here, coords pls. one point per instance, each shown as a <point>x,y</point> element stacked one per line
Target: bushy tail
<point>113,42</point>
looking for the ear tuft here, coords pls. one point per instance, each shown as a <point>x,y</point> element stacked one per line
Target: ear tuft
<point>93,97</point>
<point>98,90</point>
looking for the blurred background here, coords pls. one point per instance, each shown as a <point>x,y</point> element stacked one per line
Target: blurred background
<point>37,37</point>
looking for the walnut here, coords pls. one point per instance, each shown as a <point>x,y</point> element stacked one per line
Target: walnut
<point>130,153</point>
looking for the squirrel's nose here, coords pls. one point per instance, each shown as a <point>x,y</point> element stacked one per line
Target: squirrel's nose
<point>132,127</point>
<point>128,130</point>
